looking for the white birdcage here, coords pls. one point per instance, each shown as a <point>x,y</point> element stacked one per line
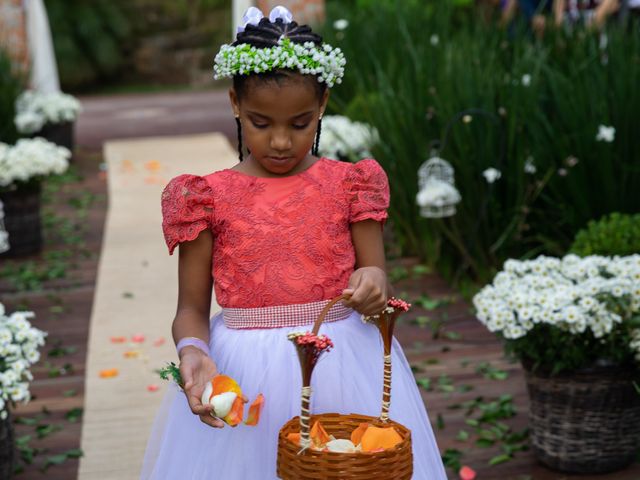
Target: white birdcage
<point>4,235</point>
<point>438,195</point>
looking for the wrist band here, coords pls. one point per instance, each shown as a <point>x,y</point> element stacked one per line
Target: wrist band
<point>192,342</point>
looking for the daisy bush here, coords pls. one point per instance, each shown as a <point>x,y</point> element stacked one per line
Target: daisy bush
<point>19,344</point>
<point>565,314</point>
<point>31,159</point>
<point>34,110</point>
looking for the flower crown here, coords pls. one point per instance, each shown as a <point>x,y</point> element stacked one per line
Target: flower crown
<point>325,62</point>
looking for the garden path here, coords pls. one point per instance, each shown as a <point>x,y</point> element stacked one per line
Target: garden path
<point>135,297</point>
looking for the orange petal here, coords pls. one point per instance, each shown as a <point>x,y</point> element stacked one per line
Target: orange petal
<point>319,436</point>
<point>467,473</point>
<point>118,339</point>
<point>109,373</point>
<point>234,417</point>
<point>356,435</point>
<point>294,437</point>
<point>254,411</point>
<point>375,438</point>
<point>131,354</point>
<point>224,383</point>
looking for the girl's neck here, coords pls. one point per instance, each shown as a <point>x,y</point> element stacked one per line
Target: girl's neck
<point>251,166</point>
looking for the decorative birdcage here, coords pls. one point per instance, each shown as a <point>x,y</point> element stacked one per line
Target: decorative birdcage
<point>438,195</point>
<point>4,235</point>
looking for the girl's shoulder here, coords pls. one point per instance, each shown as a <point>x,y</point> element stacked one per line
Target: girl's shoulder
<point>363,170</point>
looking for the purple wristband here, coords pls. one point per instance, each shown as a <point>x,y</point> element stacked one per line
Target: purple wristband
<point>193,342</point>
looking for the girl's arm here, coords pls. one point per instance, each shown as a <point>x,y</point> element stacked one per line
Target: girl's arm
<point>368,283</point>
<point>194,290</point>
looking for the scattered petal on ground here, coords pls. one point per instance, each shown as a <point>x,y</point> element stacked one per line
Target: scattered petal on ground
<point>467,473</point>
<point>131,354</point>
<point>137,338</point>
<point>118,339</point>
<point>153,387</point>
<point>158,342</point>
<point>109,373</point>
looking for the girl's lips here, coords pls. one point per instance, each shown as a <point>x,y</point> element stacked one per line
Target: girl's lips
<point>280,159</point>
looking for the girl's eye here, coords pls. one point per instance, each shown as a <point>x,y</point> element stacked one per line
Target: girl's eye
<point>260,125</point>
<point>301,127</point>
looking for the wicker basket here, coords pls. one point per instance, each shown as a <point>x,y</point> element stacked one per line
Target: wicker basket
<point>587,422</point>
<point>391,464</point>
<point>7,448</point>
<point>22,220</point>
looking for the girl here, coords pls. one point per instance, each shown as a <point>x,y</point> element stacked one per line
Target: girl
<point>281,233</point>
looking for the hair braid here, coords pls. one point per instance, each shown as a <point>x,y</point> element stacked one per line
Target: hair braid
<point>239,125</point>
<point>316,145</point>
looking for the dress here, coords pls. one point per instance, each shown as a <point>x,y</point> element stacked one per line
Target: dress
<point>281,241</point>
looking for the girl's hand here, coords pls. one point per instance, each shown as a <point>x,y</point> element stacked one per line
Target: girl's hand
<point>197,369</point>
<point>368,290</point>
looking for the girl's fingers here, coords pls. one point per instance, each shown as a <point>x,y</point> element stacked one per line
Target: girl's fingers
<point>211,421</point>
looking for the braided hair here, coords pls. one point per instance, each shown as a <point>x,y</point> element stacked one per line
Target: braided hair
<point>266,35</point>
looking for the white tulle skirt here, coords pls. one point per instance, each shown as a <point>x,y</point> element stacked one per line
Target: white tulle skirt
<point>346,380</point>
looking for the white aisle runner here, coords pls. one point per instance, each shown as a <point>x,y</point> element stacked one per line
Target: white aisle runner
<point>135,299</point>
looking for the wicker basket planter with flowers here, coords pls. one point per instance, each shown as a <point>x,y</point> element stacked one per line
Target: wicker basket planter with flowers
<point>19,344</point>
<point>574,323</point>
<point>48,115</point>
<point>22,168</point>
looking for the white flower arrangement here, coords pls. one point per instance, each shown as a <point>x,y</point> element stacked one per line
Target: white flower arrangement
<point>19,343</point>
<point>31,158</point>
<point>592,299</point>
<point>345,139</point>
<point>325,62</point>
<point>34,110</point>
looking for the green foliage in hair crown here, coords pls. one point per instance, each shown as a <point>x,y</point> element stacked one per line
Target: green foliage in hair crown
<point>325,62</point>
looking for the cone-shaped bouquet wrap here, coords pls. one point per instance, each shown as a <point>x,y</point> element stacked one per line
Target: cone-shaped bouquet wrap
<point>350,447</point>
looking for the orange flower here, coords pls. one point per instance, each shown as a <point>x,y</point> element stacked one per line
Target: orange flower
<point>225,395</point>
<point>294,438</point>
<point>254,411</point>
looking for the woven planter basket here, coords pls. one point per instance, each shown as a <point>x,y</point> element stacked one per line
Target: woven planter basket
<point>22,220</point>
<point>586,422</point>
<point>391,464</point>
<point>59,133</point>
<point>7,448</point>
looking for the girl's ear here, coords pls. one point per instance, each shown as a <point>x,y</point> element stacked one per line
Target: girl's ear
<point>324,101</point>
<point>235,103</point>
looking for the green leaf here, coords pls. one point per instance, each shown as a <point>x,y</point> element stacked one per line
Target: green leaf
<point>462,436</point>
<point>498,459</point>
<point>74,414</point>
<point>440,422</point>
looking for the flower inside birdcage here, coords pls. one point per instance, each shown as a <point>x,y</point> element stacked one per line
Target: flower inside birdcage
<point>438,195</point>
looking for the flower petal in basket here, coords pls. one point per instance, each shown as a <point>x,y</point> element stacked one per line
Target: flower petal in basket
<point>341,445</point>
<point>356,435</point>
<point>376,438</point>
<point>254,411</point>
<point>319,436</point>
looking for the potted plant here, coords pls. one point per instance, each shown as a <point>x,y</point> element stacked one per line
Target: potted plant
<point>47,115</point>
<point>22,168</point>
<point>19,343</point>
<point>574,323</point>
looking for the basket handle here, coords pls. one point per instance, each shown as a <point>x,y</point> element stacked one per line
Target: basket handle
<point>325,310</point>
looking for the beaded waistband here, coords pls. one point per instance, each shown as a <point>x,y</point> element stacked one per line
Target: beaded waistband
<point>280,316</point>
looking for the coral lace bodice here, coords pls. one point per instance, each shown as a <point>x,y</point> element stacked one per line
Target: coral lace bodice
<point>277,241</point>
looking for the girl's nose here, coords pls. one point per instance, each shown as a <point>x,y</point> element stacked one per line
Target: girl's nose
<point>280,141</point>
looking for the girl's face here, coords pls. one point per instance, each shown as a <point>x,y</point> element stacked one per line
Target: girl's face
<point>279,121</point>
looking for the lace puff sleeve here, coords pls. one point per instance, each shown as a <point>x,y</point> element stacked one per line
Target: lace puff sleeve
<point>187,209</point>
<point>367,190</point>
